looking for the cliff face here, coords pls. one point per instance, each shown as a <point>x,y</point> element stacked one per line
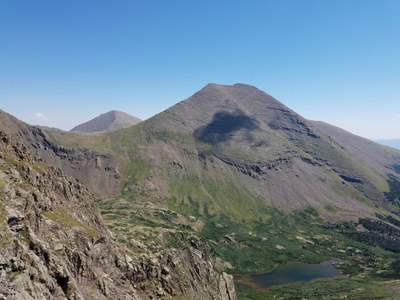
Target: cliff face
<point>54,245</point>
<point>182,274</point>
<point>53,242</point>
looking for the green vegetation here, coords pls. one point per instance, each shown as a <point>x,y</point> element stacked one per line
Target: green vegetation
<point>255,247</point>
<point>2,186</point>
<point>13,275</point>
<point>63,218</point>
<point>180,139</point>
<point>261,245</point>
<point>331,209</point>
<point>145,227</point>
<point>99,142</point>
<point>136,167</point>
<point>343,288</point>
<point>205,198</point>
<point>5,236</point>
<point>303,236</point>
<point>40,166</point>
<point>24,236</point>
<point>3,214</point>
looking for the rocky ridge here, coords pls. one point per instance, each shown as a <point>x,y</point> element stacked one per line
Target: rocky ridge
<point>54,244</point>
<point>100,172</point>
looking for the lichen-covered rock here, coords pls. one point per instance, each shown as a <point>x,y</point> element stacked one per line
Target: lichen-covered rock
<point>186,272</point>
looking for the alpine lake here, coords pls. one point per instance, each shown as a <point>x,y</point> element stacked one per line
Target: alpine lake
<point>290,273</point>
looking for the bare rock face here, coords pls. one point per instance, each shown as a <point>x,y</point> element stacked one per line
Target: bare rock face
<point>187,272</point>
<point>53,242</point>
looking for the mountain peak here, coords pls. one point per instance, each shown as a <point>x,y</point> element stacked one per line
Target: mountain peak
<point>236,86</point>
<point>238,94</point>
<point>240,106</point>
<point>109,121</point>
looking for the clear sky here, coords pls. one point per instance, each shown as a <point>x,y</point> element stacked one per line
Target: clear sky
<point>65,62</point>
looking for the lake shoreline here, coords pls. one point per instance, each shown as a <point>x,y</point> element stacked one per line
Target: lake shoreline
<point>291,273</point>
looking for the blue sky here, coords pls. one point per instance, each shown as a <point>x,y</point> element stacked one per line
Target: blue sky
<point>64,62</point>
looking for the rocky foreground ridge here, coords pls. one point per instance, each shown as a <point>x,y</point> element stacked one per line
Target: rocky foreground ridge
<point>54,245</point>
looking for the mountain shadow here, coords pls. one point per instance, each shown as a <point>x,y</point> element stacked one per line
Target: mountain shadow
<point>224,125</point>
